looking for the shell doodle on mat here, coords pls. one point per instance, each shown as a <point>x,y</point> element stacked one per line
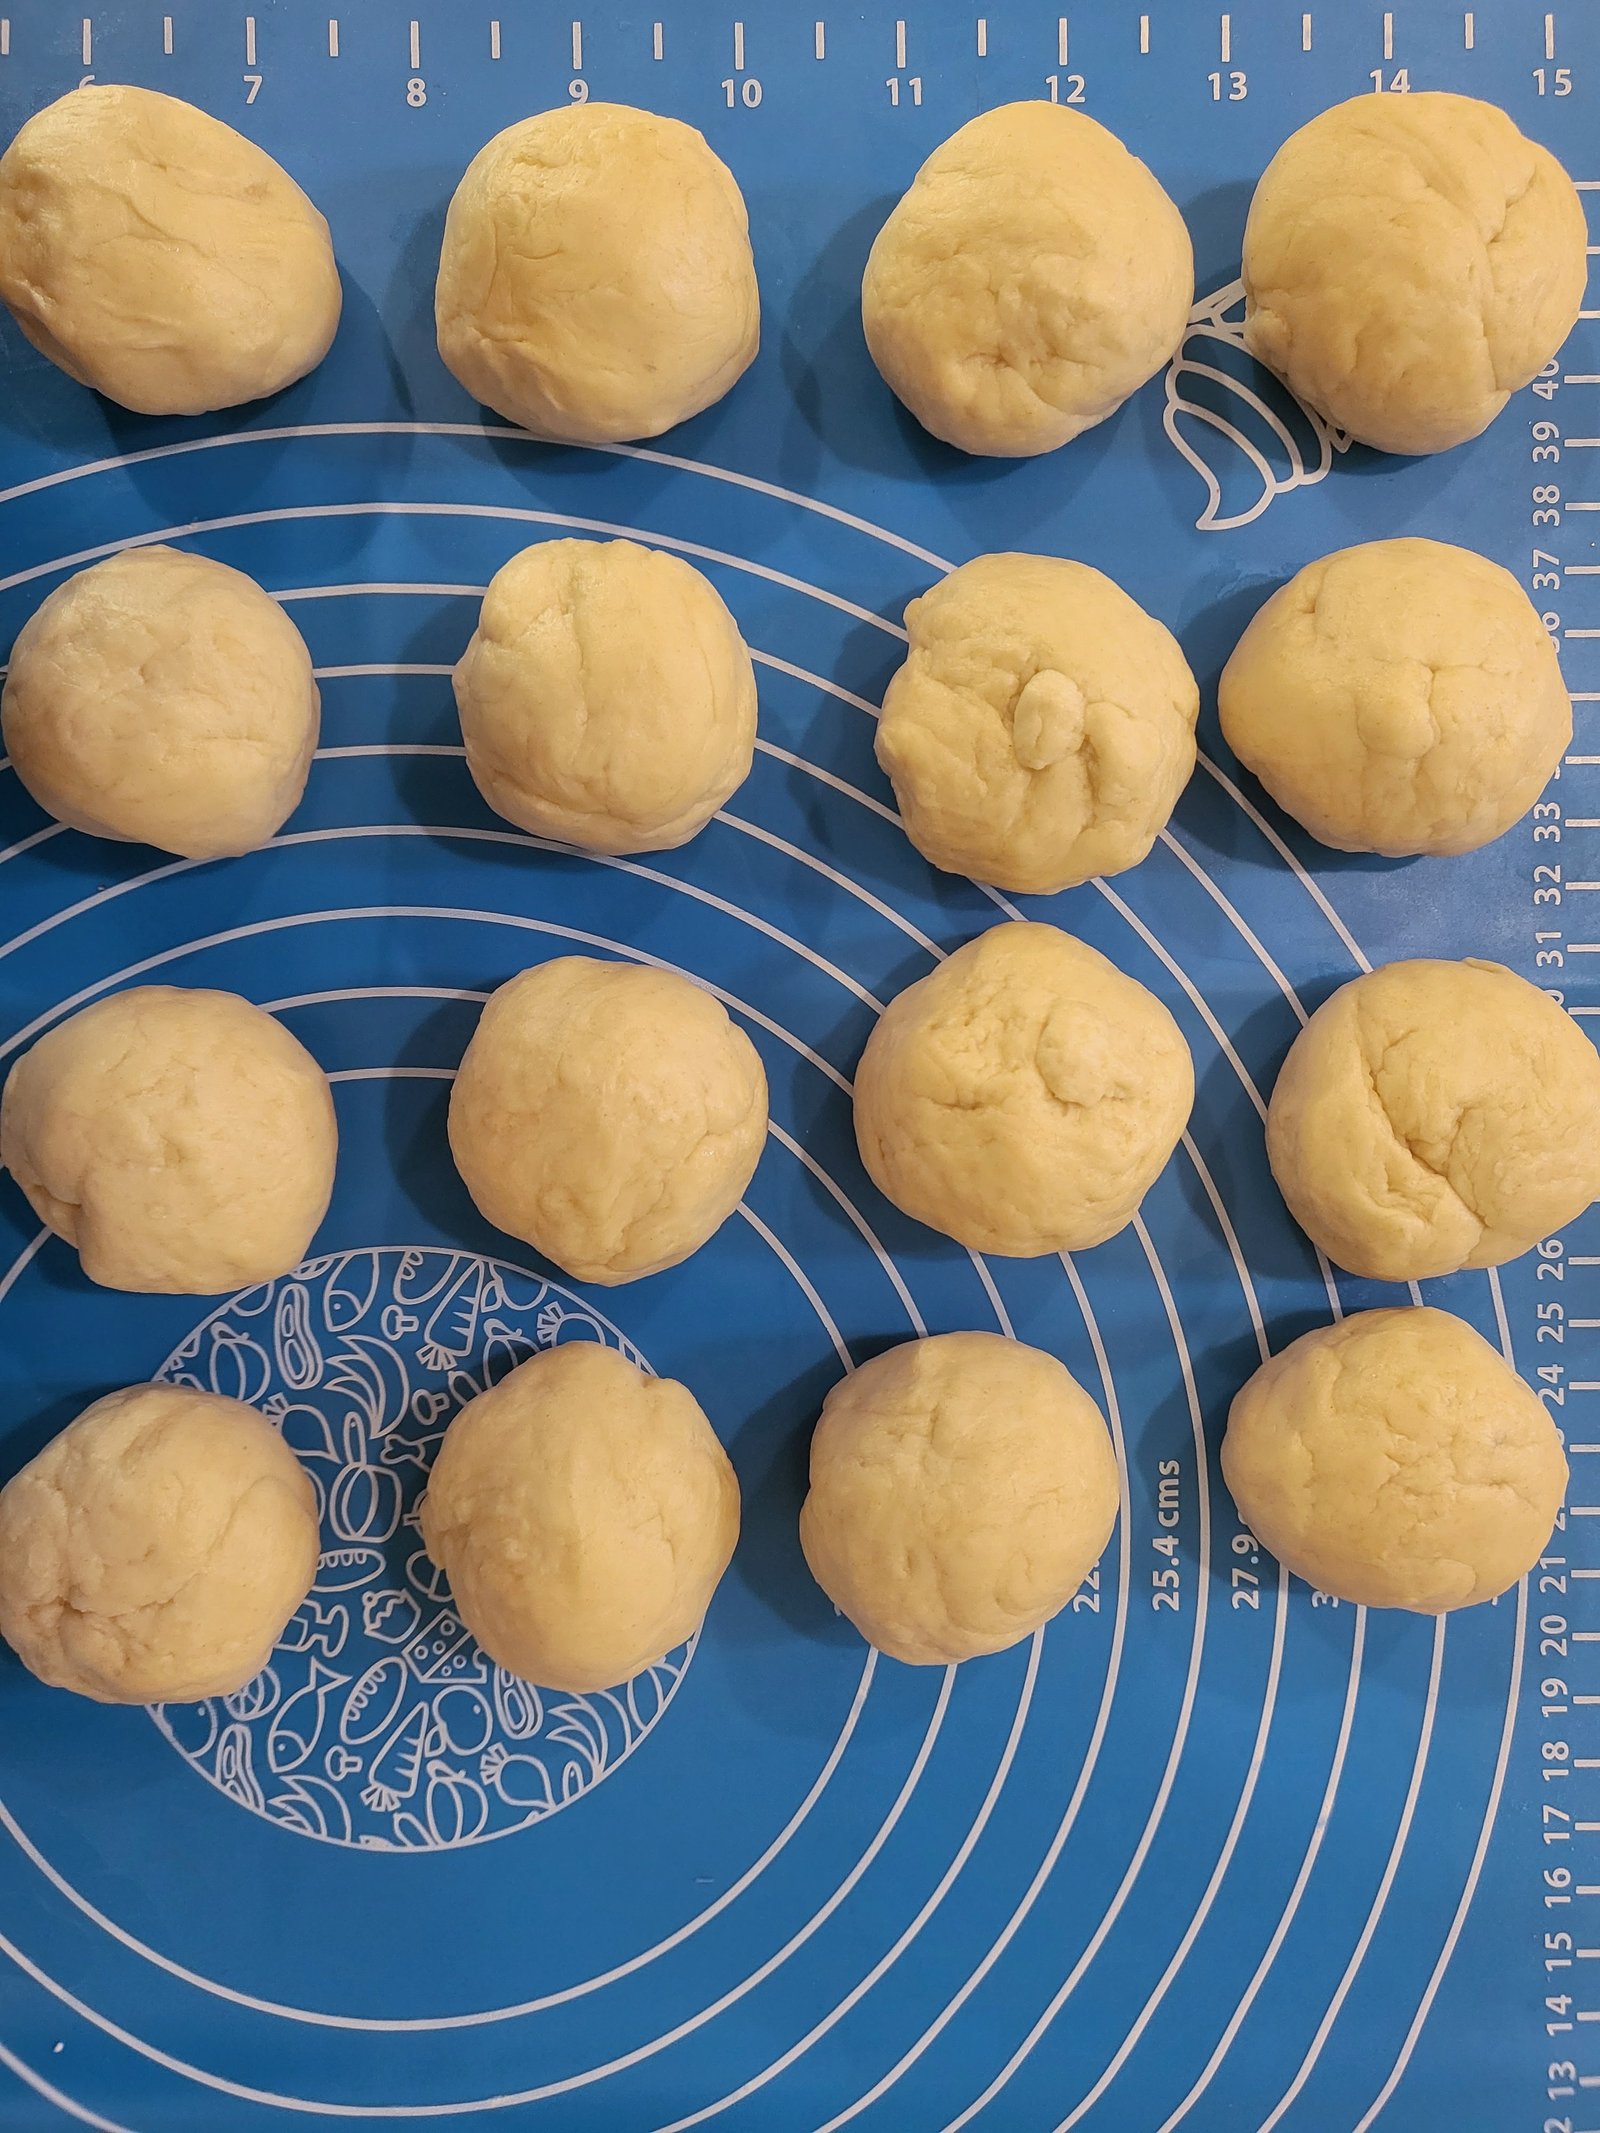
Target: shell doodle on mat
<point>1243,432</point>
<point>379,1722</point>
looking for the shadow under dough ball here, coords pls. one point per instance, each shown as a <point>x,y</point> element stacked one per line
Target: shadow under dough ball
<point>962,1487</point>
<point>1024,1097</point>
<point>1396,1460</point>
<point>606,698</point>
<point>1409,263</point>
<point>1041,728</point>
<point>154,253</point>
<point>1031,279</point>
<point>595,282</point>
<point>1400,697</point>
<point>181,1139</point>
<point>1436,1115</point>
<point>154,1550</point>
<point>584,1513</point>
<point>162,698</point>
<point>609,1114</point>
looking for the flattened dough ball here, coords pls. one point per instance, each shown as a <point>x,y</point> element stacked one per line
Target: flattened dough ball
<point>153,1552</point>
<point>1433,1116</point>
<point>155,254</point>
<point>962,1487</point>
<point>1032,278</point>
<point>1023,1098</point>
<point>607,698</point>
<point>182,1140</point>
<point>609,1114</point>
<point>1398,697</point>
<point>1409,263</point>
<point>1042,726</point>
<point>583,1513</point>
<point>596,282</point>
<point>164,699</point>
<point>1395,1460</point>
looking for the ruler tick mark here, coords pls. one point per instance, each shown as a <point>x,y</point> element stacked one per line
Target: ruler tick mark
<point>983,37</point>
<point>1469,30</point>
<point>1144,33</point>
<point>577,48</point>
<point>86,42</point>
<point>494,40</point>
<point>415,46</point>
<point>333,36</point>
<point>738,48</point>
<point>1227,38</point>
<point>1305,33</point>
<point>1549,36</point>
<point>5,36</point>
<point>249,40</point>
<point>899,46</point>
<point>166,35</point>
<point>819,42</point>
<point>1061,40</point>
<point>655,40</point>
<point>1388,36</point>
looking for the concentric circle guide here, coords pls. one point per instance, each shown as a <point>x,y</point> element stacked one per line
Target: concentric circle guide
<point>1160,1866</point>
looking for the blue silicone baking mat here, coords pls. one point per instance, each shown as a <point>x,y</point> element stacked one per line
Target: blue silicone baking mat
<point>1217,1853</point>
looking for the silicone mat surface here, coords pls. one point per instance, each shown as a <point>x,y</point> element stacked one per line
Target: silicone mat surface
<point>1241,1861</point>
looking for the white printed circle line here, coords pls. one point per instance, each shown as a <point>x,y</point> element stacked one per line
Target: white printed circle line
<point>499,514</point>
<point>492,430</point>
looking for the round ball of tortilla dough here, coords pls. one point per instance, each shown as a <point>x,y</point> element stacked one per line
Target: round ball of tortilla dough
<point>962,1487</point>
<point>596,282</point>
<point>1032,278</point>
<point>1024,1097</point>
<point>607,698</point>
<point>1398,697</point>
<point>154,1550</point>
<point>1409,263</point>
<point>1395,1459</point>
<point>609,1114</point>
<point>1433,1116</point>
<point>583,1513</point>
<point>182,1140</point>
<point>155,254</point>
<point>164,699</point>
<point>1042,726</point>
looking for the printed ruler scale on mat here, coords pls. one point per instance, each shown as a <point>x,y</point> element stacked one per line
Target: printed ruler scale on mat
<point>1246,1861</point>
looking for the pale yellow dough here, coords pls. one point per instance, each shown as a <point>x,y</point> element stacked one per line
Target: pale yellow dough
<point>1409,263</point>
<point>1032,278</point>
<point>1042,726</point>
<point>159,256</point>
<point>182,1140</point>
<point>164,699</point>
<point>1399,697</point>
<point>153,1552</point>
<point>607,698</point>
<point>1395,1460</point>
<point>962,1487</point>
<point>596,282</point>
<point>583,1513</point>
<point>1433,1116</point>
<point>1024,1097</point>
<point>609,1114</point>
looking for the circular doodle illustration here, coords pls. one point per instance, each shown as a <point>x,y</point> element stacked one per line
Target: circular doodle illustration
<point>379,1721</point>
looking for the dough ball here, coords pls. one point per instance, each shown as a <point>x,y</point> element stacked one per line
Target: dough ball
<point>1042,726</point>
<point>583,1513</point>
<point>609,1114</point>
<point>1409,263</point>
<point>163,699</point>
<point>153,1552</point>
<point>1398,697</point>
<point>961,1489</point>
<point>159,256</point>
<point>1434,1116</point>
<point>1032,278</point>
<point>1395,1460</point>
<point>1025,1097</point>
<point>606,698</point>
<point>596,282</point>
<point>183,1141</point>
